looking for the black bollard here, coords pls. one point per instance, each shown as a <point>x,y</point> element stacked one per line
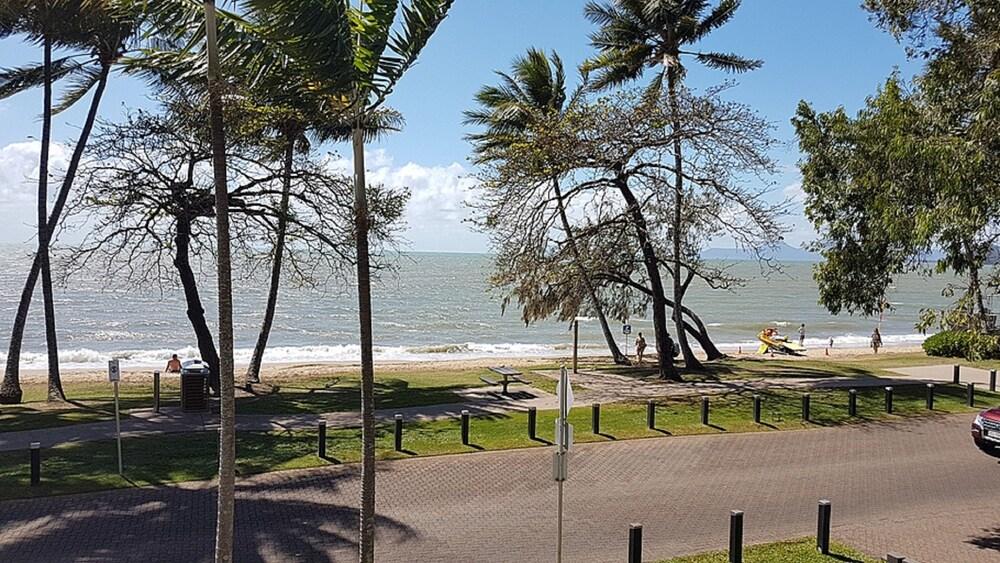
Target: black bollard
<point>823,527</point>
<point>756,409</point>
<point>930,396</point>
<point>970,394</point>
<point>635,543</point>
<point>888,400</point>
<point>36,463</point>
<point>805,407</point>
<point>704,411</point>
<point>532,422</point>
<point>156,391</point>
<point>650,414</point>
<point>322,439</point>
<point>852,403</point>
<point>993,381</point>
<point>595,418</point>
<point>955,371</point>
<point>465,428</point>
<point>736,536</point>
<point>399,432</point>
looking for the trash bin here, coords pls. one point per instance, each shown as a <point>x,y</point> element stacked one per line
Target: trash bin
<point>194,381</point>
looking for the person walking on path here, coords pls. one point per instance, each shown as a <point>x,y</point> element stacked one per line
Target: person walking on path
<point>876,340</point>
<point>640,348</point>
<point>802,335</point>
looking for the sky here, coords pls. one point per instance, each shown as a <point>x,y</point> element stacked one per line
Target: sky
<point>827,52</point>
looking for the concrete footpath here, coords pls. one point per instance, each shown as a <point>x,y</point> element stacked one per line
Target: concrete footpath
<point>602,388</point>
<point>916,487</point>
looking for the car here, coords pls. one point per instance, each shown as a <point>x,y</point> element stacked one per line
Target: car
<point>986,430</point>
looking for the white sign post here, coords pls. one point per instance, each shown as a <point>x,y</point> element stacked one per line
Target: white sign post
<point>564,439</point>
<point>114,375</point>
<point>626,330</point>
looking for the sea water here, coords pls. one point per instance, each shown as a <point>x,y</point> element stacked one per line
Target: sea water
<point>434,306</point>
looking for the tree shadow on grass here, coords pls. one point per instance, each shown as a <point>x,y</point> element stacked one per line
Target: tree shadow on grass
<point>305,516</point>
<point>389,393</point>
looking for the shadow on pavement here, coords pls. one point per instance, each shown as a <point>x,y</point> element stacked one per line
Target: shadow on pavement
<point>278,519</point>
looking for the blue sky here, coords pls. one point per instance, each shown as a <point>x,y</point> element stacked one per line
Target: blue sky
<point>823,51</point>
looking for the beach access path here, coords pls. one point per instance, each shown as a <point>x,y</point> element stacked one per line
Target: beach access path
<point>598,388</point>
<point>917,487</point>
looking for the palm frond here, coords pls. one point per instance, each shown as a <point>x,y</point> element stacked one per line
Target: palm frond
<point>18,79</point>
<point>720,16</point>
<point>728,62</point>
<point>420,19</point>
<point>80,83</point>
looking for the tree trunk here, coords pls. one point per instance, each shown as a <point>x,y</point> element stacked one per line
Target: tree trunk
<point>664,344</point>
<point>195,310</point>
<point>690,361</point>
<point>700,333</point>
<point>10,390</point>
<point>609,337</point>
<point>366,543</point>
<point>227,401</point>
<point>253,370</point>
<point>55,391</point>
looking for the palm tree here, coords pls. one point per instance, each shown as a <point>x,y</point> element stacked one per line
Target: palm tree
<point>535,90</point>
<point>97,35</point>
<point>635,35</point>
<point>347,61</point>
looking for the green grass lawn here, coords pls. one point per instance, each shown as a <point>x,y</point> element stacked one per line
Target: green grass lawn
<point>91,466</point>
<point>92,401</point>
<point>796,551</point>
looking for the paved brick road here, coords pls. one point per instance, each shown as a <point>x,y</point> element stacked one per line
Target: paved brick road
<point>919,488</point>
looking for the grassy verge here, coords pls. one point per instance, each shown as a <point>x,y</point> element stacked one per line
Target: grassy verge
<point>91,466</point>
<point>796,551</point>
<point>341,392</point>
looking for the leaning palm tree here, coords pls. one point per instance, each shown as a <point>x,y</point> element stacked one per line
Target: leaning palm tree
<point>348,60</point>
<point>535,90</point>
<point>292,129</point>
<point>95,33</point>
<point>636,35</point>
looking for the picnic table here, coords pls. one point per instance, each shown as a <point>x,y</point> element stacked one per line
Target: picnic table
<point>508,374</point>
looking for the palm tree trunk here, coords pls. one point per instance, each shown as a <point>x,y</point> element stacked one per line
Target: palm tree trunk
<point>10,389</point>
<point>690,361</point>
<point>55,391</point>
<point>664,344</point>
<point>195,310</point>
<point>366,543</point>
<point>253,370</point>
<point>227,401</point>
<point>367,518</point>
<point>616,354</point>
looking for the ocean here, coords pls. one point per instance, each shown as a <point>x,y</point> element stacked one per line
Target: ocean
<point>435,306</point>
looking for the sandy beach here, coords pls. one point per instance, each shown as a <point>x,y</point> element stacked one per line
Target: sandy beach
<point>294,370</point>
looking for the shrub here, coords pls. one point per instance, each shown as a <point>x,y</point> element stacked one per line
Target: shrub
<point>963,344</point>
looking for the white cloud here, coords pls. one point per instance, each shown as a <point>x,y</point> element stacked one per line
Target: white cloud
<point>437,206</point>
<point>19,170</point>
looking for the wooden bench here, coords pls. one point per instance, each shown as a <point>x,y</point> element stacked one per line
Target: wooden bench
<point>509,375</point>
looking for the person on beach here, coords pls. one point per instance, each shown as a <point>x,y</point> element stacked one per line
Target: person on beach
<point>802,334</point>
<point>831,342</point>
<point>174,364</point>
<point>640,348</point>
<point>876,340</point>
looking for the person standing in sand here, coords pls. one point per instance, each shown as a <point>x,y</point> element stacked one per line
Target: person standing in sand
<point>802,335</point>
<point>640,348</point>
<point>174,364</point>
<point>876,340</point>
